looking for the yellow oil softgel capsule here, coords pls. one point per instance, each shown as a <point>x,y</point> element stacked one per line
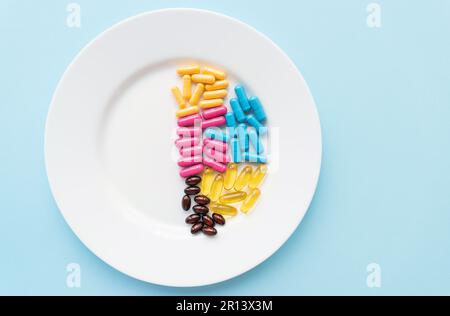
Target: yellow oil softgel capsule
<point>219,75</point>
<point>225,210</point>
<point>187,87</point>
<point>251,200</point>
<point>207,180</point>
<point>179,97</point>
<point>217,94</point>
<point>218,85</point>
<point>216,188</point>
<point>206,79</point>
<point>258,176</point>
<point>188,111</point>
<point>198,91</point>
<point>188,70</point>
<point>230,176</point>
<point>233,197</point>
<point>207,104</point>
<point>243,178</point>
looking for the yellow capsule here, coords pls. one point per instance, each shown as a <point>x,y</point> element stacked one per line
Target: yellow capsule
<point>187,86</point>
<point>230,176</point>
<point>226,210</point>
<point>218,85</point>
<point>258,176</point>
<point>207,104</point>
<point>198,91</point>
<point>218,74</point>
<point>251,200</point>
<point>188,70</point>
<point>233,197</point>
<point>179,97</point>
<point>217,94</point>
<point>188,111</point>
<point>206,79</point>
<point>216,188</point>
<point>207,180</point>
<point>243,178</point>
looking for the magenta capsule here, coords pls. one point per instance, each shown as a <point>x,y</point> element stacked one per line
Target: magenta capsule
<point>190,161</point>
<point>191,171</point>
<point>215,144</point>
<point>187,142</point>
<point>191,151</point>
<point>214,112</point>
<point>192,131</point>
<point>217,155</point>
<point>218,166</point>
<point>190,120</point>
<point>214,122</point>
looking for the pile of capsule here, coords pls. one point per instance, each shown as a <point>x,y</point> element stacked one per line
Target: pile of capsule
<point>199,110</point>
<point>200,220</point>
<point>246,127</point>
<point>204,147</point>
<point>235,186</point>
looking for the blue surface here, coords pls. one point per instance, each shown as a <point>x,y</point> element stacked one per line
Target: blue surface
<point>383,96</point>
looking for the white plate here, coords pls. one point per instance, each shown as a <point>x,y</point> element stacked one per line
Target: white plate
<point>110,157</point>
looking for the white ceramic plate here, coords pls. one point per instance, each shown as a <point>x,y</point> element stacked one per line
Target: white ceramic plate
<point>110,157</point>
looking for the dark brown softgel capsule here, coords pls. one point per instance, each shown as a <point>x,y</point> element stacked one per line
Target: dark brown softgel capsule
<point>193,219</point>
<point>210,231</point>
<point>193,190</point>
<point>193,180</point>
<point>186,202</point>
<point>201,209</point>
<point>219,219</point>
<point>202,200</point>
<point>196,228</point>
<point>208,221</point>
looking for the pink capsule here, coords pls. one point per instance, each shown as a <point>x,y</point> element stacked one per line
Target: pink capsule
<point>217,155</point>
<point>215,144</point>
<point>189,161</point>
<point>190,120</point>
<point>218,166</point>
<point>191,171</point>
<point>217,121</point>
<point>187,142</point>
<point>189,131</point>
<point>214,112</point>
<point>191,151</point>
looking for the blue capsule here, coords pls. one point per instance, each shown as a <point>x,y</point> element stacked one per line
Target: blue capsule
<point>238,113</point>
<point>258,109</point>
<point>235,151</point>
<point>244,143</point>
<point>251,119</point>
<point>256,141</point>
<point>248,157</point>
<point>242,97</point>
<point>231,120</point>
<point>232,131</point>
<point>216,134</point>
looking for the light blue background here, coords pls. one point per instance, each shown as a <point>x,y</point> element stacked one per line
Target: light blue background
<point>383,96</point>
